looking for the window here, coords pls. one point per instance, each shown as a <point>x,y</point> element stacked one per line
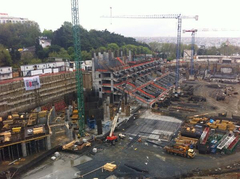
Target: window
<point>99,76</point>
<point>8,69</point>
<point>100,82</point>
<point>26,67</point>
<point>100,89</point>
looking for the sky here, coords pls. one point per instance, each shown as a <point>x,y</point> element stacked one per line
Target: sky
<point>218,15</point>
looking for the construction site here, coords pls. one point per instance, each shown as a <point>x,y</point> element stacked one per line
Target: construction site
<point>123,117</point>
<point>135,118</point>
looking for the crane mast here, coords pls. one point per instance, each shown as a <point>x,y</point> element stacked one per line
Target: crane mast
<point>77,59</point>
<point>179,17</point>
<point>178,49</point>
<point>193,31</point>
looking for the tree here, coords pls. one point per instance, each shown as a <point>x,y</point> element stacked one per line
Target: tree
<point>63,36</point>
<point>86,56</point>
<point>155,46</point>
<point>35,61</point>
<point>61,54</point>
<point>47,33</point>
<point>102,49</point>
<point>113,47</point>
<point>5,57</point>
<point>145,50</point>
<point>71,52</point>
<point>18,35</point>
<point>26,57</point>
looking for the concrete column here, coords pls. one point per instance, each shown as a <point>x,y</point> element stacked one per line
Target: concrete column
<point>24,149</point>
<point>107,112</point>
<point>112,83</point>
<point>93,68</point>
<point>125,98</point>
<point>108,100</point>
<point>123,106</point>
<point>105,56</point>
<point>48,142</point>
<point>69,133</point>
<point>67,115</point>
<point>128,110</point>
<point>130,55</point>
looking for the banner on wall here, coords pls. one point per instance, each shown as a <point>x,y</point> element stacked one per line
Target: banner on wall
<point>32,83</point>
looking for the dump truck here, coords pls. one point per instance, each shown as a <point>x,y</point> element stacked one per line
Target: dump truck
<point>182,150</point>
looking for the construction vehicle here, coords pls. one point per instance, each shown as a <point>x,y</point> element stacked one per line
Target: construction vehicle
<point>182,150</point>
<point>113,138</point>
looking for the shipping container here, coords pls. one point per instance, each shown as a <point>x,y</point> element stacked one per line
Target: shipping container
<point>55,70</point>
<point>36,72</point>
<point>48,70</point>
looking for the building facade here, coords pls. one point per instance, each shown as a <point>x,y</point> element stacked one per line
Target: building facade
<point>5,18</point>
<point>5,73</point>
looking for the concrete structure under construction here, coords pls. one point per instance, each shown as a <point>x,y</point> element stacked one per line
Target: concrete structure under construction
<point>54,87</point>
<point>32,119</point>
<point>142,80</point>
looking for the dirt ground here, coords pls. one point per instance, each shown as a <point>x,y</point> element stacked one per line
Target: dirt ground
<point>231,104</point>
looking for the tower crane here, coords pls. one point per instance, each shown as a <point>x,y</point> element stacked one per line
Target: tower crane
<point>193,31</point>
<point>78,60</point>
<point>179,18</point>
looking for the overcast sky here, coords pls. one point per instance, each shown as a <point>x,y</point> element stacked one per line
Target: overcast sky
<point>213,14</point>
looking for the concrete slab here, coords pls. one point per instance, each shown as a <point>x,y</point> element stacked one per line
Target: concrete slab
<point>62,168</point>
<point>154,126</point>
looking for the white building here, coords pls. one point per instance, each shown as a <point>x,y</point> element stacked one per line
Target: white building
<point>5,18</point>
<point>44,42</point>
<point>87,65</point>
<point>5,73</point>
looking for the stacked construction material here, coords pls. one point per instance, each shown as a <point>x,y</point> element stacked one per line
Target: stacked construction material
<point>222,125</point>
<point>196,120</point>
<point>109,167</point>
<point>186,140</point>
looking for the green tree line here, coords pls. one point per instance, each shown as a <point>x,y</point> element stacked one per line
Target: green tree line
<point>15,36</point>
<point>168,50</point>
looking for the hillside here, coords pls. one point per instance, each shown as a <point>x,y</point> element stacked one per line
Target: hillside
<point>15,36</point>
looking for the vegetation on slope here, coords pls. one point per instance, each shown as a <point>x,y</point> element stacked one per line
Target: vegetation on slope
<point>15,36</point>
